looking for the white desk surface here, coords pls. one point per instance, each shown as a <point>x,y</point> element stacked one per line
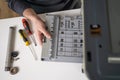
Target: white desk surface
<point>29,68</point>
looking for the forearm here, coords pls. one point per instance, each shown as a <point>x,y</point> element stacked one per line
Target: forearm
<point>18,6</point>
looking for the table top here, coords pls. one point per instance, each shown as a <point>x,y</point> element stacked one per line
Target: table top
<point>30,69</point>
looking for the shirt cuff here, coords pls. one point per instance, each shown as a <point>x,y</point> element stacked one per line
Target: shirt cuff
<point>18,6</point>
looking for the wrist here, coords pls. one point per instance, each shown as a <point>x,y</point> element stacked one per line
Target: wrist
<point>30,14</point>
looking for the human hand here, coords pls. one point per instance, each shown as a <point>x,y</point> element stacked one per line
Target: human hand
<point>38,25</point>
<point>40,30</point>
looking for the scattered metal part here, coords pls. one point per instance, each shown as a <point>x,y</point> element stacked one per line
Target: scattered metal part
<point>10,47</point>
<point>33,52</point>
<point>14,54</point>
<point>14,70</point>
<point>15,59</point>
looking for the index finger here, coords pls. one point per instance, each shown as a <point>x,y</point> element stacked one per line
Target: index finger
<point>45,32</point>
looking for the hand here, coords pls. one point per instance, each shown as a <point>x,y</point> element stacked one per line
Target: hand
<point>39,30</point>
<point>38,25</point>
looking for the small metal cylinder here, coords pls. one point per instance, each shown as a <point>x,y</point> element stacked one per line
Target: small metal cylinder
<point>10,46</point>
